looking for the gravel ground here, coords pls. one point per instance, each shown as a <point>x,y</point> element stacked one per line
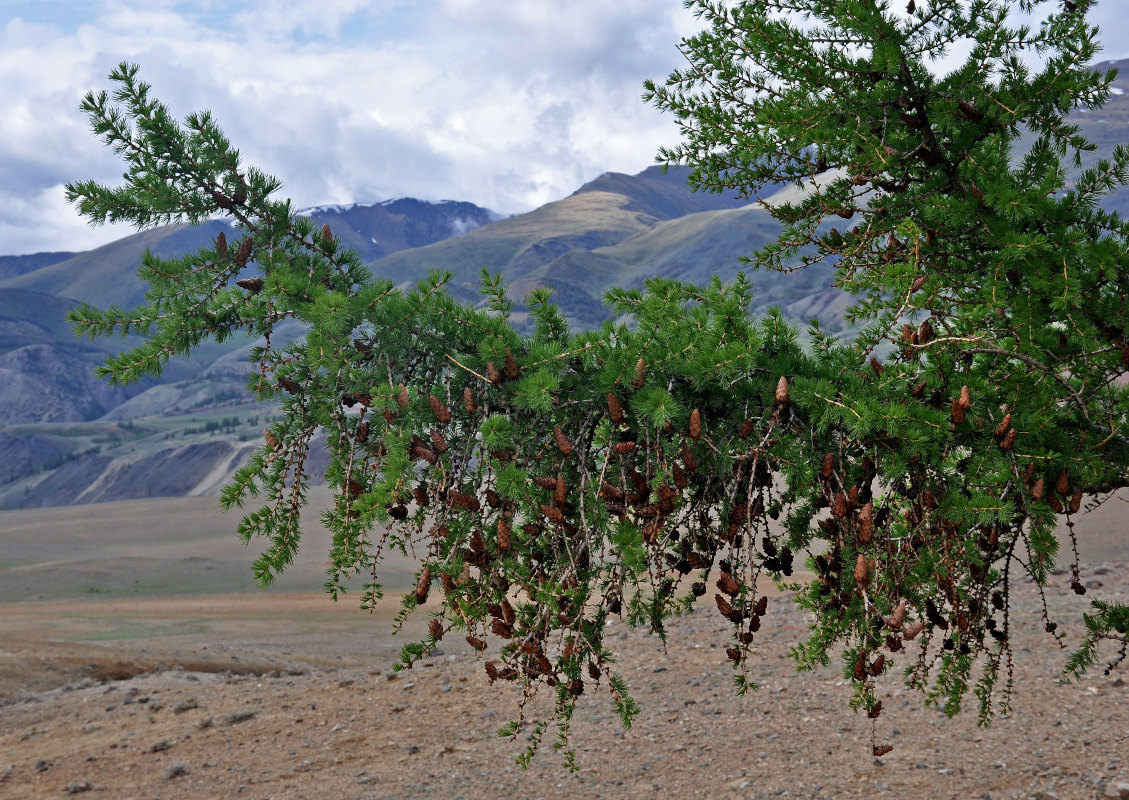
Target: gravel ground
<point>362,732</point>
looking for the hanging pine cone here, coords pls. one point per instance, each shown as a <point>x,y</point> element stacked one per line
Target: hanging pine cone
<point>965,399</point>
<point>860,570</point>
<point>560,491</point>
<point>476,643</point>
<point>503,535</point>
<point>243,254</point>
<point>958,411</point>
<point>695,425</point>
<point>252,285</point>
<point>492,373</point>
<point>918,282</point>
<point>878,664</point>
<point>1076,501</point>
<point>623,447</point>
<point>762,605</point>
<point>289,385</point>
<point>615,410</point>
<point>435,628</point>
<point>362,433</point>
<point>326,235</point>
<point>467,502</point>
<point>875,710</point>
<point>728,584</point>
<point>839,505</point>
<point>861,667</point>
<point>640,374</point>
<point>866,523</point>
<point>551,513</point>
<point>1062,483</point>
<point>612,493</point>
<point>468,400</point>
<point>688,459</point>
<point>272,442</point>
<point>1037,490</point>
<point>723,606</point>
<point>562,442</point>
<point>421,497</point>
<point>545,482</point>
<point>441,412</point>
<point>423,585</point>
<point>438,440</point>
<point>898,616</point>
<point>828,465</point>
<point>781,391</point>
<point>680,479</point>
<point>501,629</point>
<point>510,369</point>
<point>911,632</point>
<point>398,513</point>
<point>221,245</point>
<point>1009,439</point>
<point>425,453</point>
<point>746,429</point>
<point>1004,426</point>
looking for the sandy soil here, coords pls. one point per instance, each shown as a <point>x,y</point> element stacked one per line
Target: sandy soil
<point>203,693</point>
<point>322,716</point>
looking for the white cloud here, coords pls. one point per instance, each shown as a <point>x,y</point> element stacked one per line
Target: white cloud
<point>509,105</point>
<point>506,105</point>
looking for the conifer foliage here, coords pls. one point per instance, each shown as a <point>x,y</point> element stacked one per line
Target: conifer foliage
<point>550,480</point>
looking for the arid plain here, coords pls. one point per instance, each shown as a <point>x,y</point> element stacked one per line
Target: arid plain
<point>138,659</point>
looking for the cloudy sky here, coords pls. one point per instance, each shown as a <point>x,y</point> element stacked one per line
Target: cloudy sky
<point>506,103</point>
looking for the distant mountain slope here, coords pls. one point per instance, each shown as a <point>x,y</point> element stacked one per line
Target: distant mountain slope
<point>376,230</point>
<point>108,275</point>
<point>516,245</point>
<point>662,195</point>
<point>13,266</point>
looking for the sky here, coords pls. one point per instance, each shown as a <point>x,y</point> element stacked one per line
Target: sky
<point>509,104</point>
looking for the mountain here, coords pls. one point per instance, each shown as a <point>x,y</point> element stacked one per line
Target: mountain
<point>74,440</point>
<point>13,266</point>
<point>108,275</point>
<point>67,438</point>
<point>602,213</point>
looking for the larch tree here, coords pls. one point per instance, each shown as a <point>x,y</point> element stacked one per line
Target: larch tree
<point>556,478</point>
